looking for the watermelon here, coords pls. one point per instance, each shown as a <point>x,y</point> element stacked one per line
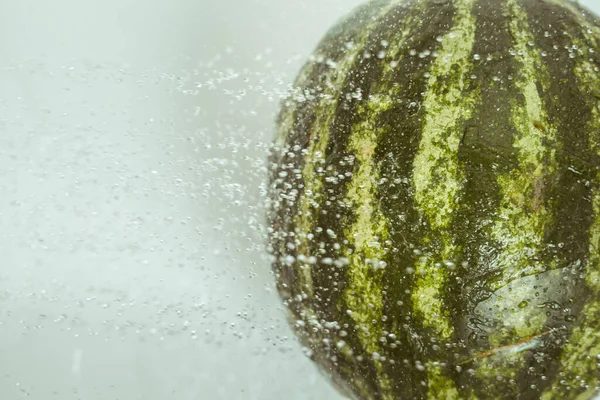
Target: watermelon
<point>434,201</point>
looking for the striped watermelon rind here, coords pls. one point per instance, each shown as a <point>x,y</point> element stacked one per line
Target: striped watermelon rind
<point>435,201</point>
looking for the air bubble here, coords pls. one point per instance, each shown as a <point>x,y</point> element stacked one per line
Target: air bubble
<point>523,304</point>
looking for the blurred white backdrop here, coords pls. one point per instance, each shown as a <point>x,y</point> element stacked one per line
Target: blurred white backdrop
<point>132,151</point>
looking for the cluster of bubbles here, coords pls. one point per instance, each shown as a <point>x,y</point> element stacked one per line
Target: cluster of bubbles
<point>136,207</point>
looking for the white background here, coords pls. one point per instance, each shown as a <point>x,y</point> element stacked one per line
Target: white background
<point>132,154</point>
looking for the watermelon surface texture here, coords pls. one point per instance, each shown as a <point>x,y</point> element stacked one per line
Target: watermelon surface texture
<point>435,201</point>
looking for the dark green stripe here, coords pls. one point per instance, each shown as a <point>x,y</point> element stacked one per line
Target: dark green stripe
<point>579,208</point>
<point>570,111</point>
<point>486,150</point>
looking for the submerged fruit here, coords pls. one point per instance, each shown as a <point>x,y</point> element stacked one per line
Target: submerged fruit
<point>435,201</point>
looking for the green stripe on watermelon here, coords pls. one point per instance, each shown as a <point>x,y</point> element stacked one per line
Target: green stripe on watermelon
<point>523,218</point>
<point>437,176</point>
<point>437,179</point>
<point>367,236</point>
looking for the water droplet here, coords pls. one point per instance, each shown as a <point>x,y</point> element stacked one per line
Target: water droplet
<point>570,318</point>
<point>523,304</point>
<point>472,338</point>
